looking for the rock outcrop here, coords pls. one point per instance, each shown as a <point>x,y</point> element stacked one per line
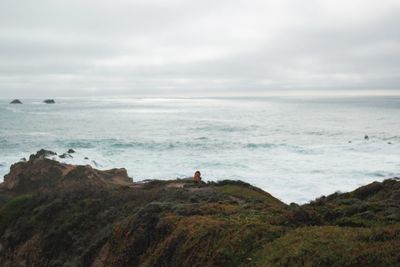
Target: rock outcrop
<point>55,214</point>
<point>40,173</point>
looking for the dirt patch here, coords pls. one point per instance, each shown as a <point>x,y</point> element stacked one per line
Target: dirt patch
<point>102,257</point>
<point>175,185</point>
<point>68,169</point>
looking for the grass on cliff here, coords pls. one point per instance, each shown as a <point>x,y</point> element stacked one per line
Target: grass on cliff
<point>209,238</point>
<point>227,223</point>
<point>13,209</point>
<point>333,246</point>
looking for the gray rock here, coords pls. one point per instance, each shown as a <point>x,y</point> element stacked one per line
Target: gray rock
<point>42,154</point>
<point>49,101</point>
<point>16,101</point>
<point>65,156</point>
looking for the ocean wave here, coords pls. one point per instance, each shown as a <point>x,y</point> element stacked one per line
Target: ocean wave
<point>79,144</point>
<point>285,146</point>
<point>161,145</point>
<point>202,143</point>
<point>143,145</point>
<point>380,174</point>
<point>392,138</point>
<point>219,128</point>
<point>5,144</point>
<point>206,145</point>
<point>323,133</point>
<point>260,145</point>
<point>14,110</point>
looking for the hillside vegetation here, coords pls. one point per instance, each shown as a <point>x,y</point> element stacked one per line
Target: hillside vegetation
<point>54,214</point>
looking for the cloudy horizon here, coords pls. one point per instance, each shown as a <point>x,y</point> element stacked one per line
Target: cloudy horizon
<point>199,48</point>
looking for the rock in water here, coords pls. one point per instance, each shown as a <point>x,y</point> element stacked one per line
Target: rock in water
<point>65,155</point>
<point>16,101</point>
<point>42,154</point>
<point>70,151</point>
<point>49,101</point>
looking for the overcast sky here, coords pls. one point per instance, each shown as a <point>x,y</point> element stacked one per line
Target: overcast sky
<point>205,47</point>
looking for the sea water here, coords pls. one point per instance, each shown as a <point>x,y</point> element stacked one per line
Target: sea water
<point>295,148</point>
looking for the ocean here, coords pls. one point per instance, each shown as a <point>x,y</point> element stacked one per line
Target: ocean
<point>296,148</point>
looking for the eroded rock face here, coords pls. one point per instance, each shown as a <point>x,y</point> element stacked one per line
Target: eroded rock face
<point>26,176</point>
<point>40,172</point>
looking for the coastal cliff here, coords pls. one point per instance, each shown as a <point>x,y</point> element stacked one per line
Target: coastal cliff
<point>56,214</point>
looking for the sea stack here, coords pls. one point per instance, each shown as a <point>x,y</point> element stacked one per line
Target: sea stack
<point>49,101</point>
<point>16,101</point>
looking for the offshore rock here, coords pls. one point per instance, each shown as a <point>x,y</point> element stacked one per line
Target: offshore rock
<point>16,101</point>
<point>66,155</point>
<point>49,101</point>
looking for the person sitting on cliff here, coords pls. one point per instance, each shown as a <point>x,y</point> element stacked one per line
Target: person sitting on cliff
<point>197,177</point>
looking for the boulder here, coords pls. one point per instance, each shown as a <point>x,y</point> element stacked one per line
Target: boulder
<point>70,151</point>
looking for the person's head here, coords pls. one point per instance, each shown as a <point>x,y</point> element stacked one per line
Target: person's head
<point>197,176</point>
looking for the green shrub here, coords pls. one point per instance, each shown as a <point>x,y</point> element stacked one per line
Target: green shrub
<point>12,210</point>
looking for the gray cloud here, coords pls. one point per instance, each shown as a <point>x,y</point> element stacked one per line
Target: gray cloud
<point>161,47</point>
